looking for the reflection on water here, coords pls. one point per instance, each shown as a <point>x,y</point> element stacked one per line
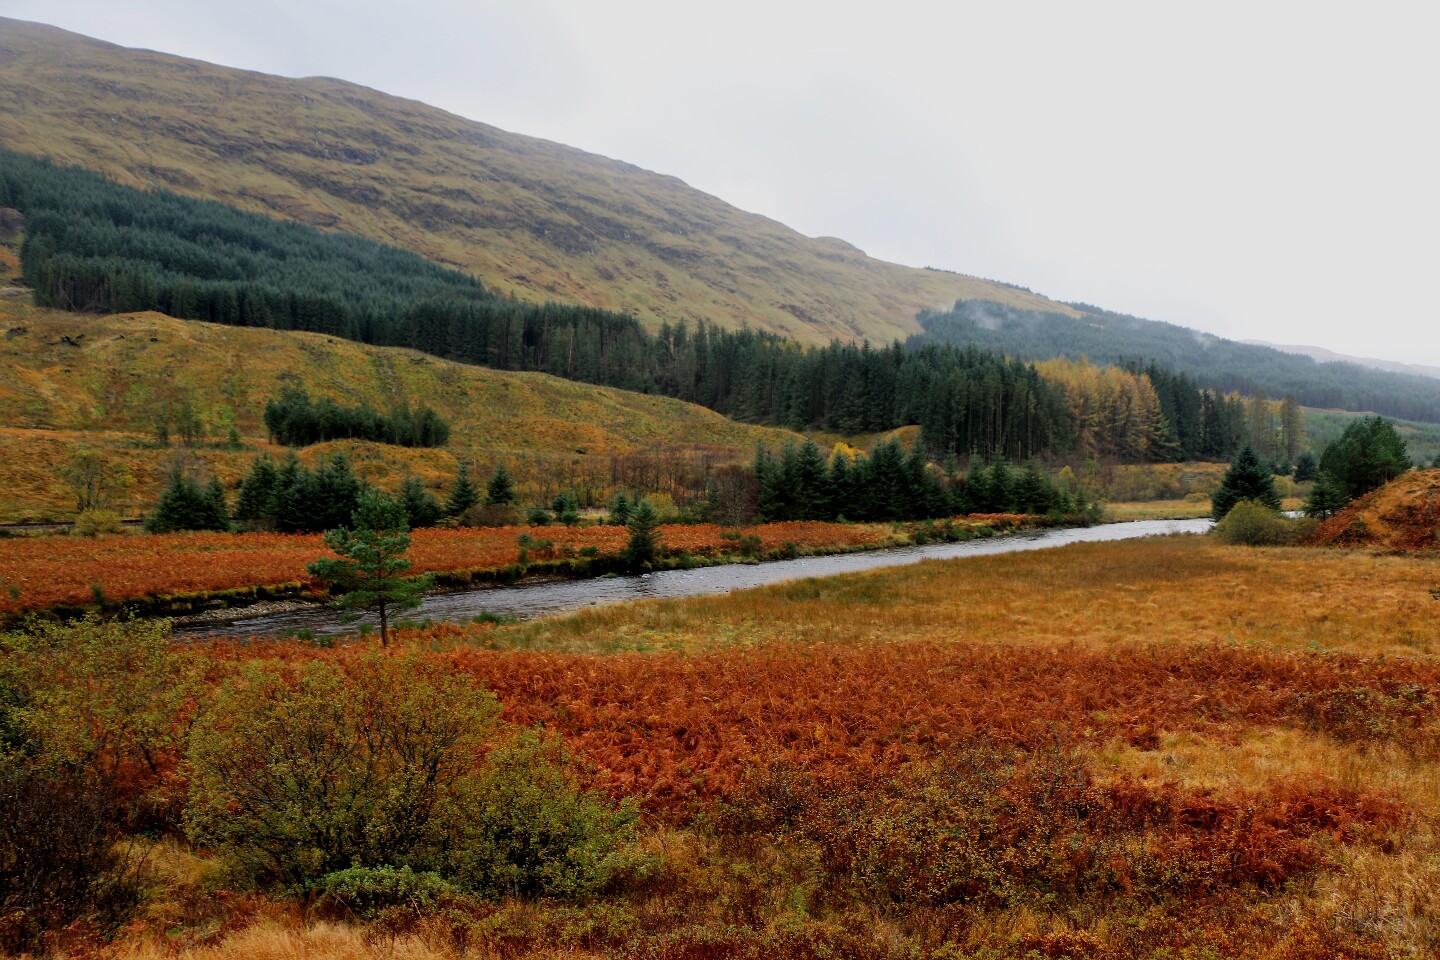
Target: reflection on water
<point>541,599</point>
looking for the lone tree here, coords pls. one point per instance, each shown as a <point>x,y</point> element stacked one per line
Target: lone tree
<point>370,571</point>
<point>1326,499</point>
<point>1368,455</point>
<point>644,543</point>
<point>501,489</point>
<point>1247,479</point>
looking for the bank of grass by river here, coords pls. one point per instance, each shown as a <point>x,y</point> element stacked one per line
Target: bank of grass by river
<point>186,573</point>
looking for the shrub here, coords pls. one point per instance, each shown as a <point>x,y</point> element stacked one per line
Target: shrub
<point>304,775</point>
<point>1253,524</point>
<point>367,892</point>
<point>528,830</point>
<point>492,515</point>
<point>301,772</point>
<point>92,523</point>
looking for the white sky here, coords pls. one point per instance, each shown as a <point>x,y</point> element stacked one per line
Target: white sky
<point>1258,170</point>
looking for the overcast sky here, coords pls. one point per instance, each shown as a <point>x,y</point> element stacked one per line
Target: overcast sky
<point>1256,170</point>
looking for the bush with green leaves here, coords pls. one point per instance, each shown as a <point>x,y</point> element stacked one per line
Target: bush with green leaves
<point>301,772</point>
<point>528,830</point>
<point>1251,523</point>
<point>368,892</point>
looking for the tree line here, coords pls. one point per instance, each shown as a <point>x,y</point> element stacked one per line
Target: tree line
<point>295,420</point>
<point>91,244</point>
<point>1216,364</point>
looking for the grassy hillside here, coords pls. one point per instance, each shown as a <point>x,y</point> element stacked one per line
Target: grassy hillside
<point>68,379</point>
<point>531,218</point>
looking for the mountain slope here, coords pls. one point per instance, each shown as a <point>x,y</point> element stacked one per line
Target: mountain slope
<point>1329,356</point>
<point>529,217</point>
<point>1216,363</point>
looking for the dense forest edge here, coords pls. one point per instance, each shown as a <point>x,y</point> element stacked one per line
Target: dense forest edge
<point>93,245</point>
<point>1224,366</point>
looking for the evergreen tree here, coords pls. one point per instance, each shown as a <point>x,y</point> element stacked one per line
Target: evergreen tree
<point>185,505</point>
<point>501,489</point>
<point>1368,455</point>
<point>256,503</point>
<point>644,543</point>
<point>1247,479</point>
<point>620,508</point>
<point>372,561</point>
<point>463,495</point>
<point>1306,467</point>
<point>421,507</point>
<point>1326,499</point>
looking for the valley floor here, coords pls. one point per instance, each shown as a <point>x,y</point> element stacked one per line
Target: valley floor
<point>1164,748</point>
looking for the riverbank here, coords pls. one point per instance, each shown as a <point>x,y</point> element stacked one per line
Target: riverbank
<point>198,573</point>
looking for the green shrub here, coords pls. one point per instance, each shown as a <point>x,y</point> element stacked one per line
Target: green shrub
<point>529,830</point>
<point>1252,524</point>
<point>299,772</point>
<point>367,892</point>
<point>304,774</point>
<point>92,523</point>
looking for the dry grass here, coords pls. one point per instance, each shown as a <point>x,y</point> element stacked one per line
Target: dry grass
<point>1156,510</point>
<point>1161,590</point>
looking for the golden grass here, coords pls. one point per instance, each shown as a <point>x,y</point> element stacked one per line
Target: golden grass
<point>1157,510</point>
<point>531,218</point>
<point>1160,590</point>
<point>107,392</point>
<point>285,940</point>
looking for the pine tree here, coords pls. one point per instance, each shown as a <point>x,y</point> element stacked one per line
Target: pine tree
<point>644,544</point>
<point>501,489</point>
<point>1247,479</point>
<point>1369,454</point>
<point>421,507</point>
<point>1326,499</point>
<point>620,508</point>
<point>256,503</point>
<point>185,505</point>
<point>372,561</point>
<point>463,495</point>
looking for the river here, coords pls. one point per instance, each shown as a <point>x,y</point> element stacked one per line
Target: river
<point>564,596</point>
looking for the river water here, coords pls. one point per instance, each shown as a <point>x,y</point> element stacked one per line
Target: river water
<point>552,597</point>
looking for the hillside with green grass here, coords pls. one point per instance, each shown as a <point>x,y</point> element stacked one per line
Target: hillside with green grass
<point>530,218</point>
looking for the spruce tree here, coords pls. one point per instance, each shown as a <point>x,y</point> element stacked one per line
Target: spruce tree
<point>463,495</point>
<point>185,505</point>
<point>501,489</point>
<point>256,502</point>
<point>421,507</point>
<point>1326,499</point>
<point>1369,454</point>
<point>1247,479</point>
<point>644,544</point>
<point>620,509</point>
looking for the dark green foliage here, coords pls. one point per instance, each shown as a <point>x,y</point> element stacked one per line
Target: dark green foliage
<point>185,505</point>
<point>297,421</point>
<point>1214,363</point>
<point>1247,479</point>
<point>620,507</point>
<point>1306,467</point>
<point>1368,455</point>
<point>644,544</point>
<point>501,488</point>
<point>369,573</point>
<point>567,508</point>
<point>463,495</point>
<point>1326,499</point>
<point>421,507</point>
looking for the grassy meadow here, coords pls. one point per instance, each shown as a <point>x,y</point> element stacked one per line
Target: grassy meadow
<point>1159,748</point>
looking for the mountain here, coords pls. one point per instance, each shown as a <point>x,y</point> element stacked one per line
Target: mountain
<point>1214,362</point>
<point>1329,356</point>
<point>530,218</point>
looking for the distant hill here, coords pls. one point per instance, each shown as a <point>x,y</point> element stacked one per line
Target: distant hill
<point>1214,362</point>
<point>530,218</point>
<point>1330,356</point>
<point>68,379</point>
